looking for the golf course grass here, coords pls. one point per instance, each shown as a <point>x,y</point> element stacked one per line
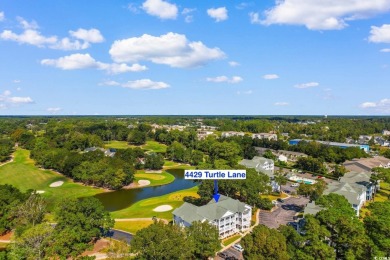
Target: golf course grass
<point>118,145</point>
<point>144,208</point>
<point>23,174</point>
<point>151,146</point>
<point>154,178</point>
<point>132,226</point>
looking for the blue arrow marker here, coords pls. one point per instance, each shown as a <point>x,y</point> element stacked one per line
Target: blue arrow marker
<point>216,195</point>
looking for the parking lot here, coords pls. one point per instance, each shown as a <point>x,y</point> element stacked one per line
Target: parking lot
<point>283,213</point>
<point>231,252</point>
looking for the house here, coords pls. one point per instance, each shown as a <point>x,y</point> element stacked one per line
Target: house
<point>232,133</point>
<point>208,127</point>
<point>264,165</point>
<point>202,134</point>
<point>385,132</point>
<point>363,179</point>
<point>354,193</point>
<point>364,147</point>
<point>291,156</point>
<point>364,139</point>
<point>265,136</point>
<point>107,152</point>
<point>282,158</point>
<point>381,141</point>
<point>228,215</point>
<point>367,164</point>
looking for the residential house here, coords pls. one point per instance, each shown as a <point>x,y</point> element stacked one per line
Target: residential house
<point>265,136</point>
<point>364,139</point>
<point>232,133</point>
<point>264,165</point>
<point>367,164</point>
<point>202,134</point>
<point>386,132</point>
<point>363,179</point>
<point>381,141</point>
<point>291,156</point>
<point>364,147</point>
<point>230,216</point>
<point>107,152</point>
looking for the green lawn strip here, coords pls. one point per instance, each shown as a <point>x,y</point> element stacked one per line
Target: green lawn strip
<point>273,197</point>
<point>381,196</point>
<point>170,163</point>
<point>230,240</point>
<point>154,147</point>
<point>23,174</point>
<point>132,226</point>
<point>155,178</point>
<point>144,208</point>
<point>118,145</point>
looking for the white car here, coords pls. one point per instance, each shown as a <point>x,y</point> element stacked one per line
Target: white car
<point>295,185</point>
<point>238,247</point>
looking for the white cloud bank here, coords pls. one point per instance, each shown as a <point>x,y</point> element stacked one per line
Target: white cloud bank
<point>222,79</point>
<point>322,14</point>
<point>160,8</point>
<point>382,106</point>
<point>219,14</point>
<point>307,85</point>
<point>79,40</point>
<point>6,99</point>
<point>53,110</point>
<point>171,49</point>
<point>281,104</point>
<point>380,34</point>
<point>86,61</point>
<point>137,84</point>
<point>2,16</point>
<point>270,76</point>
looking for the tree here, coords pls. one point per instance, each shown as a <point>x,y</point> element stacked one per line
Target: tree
<point>268,154</point>
<point>32,211</point>
<point>10,198</point>
<point>280,179</point>
<point>161,241</point>
<point>264,243</point>
<point>33,243</point>
<point>205,239</point>
<point>154,161</point>
<point>339,171</point>
<point>137,137</point>
<point>377,225</point>
<point>78,223</point>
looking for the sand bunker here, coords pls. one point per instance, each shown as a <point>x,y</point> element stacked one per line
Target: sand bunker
<point>56,184</point>
<point>40,191</point>
<point>143,182</point>
<point>163,208</point>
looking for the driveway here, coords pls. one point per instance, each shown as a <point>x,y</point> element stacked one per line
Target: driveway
<point>231,252</point>
<point>283,213</point>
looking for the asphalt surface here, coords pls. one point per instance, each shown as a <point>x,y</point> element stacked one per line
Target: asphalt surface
<point>231,252</point>
<point>120,235</point>
<point>283,213</point>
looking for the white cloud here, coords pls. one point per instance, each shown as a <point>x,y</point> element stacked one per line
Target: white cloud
<point>133,8</point>
<point>110,83</point>
<point>380,34</point>
<point>2,16</point>
<point>323,14</point>
<point>221,79</point>
<point>92,35</point>
<point>72,62</point>
<point>7,93</point>
<point>219,14</point>
<point>27,25</point>
<point>254,18</point>
<point>243,5</point>
<point>385,50</point>
<point>170,49</point>
<point>281,104</point>
<point>270,76</point>
<point>16,81</point>
<point>247,92</point>
<point>145,84</point>
<point>85,61</point>
<point>382,106</point>
<point>307,85</point>
<point>160,8</point>
<point>31,37</point>
<point>187,12</point>
<point>53,110</point>
<point>234,64</point>
<point>20,100</point>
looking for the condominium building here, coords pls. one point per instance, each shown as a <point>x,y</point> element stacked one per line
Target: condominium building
<point>230,216</point>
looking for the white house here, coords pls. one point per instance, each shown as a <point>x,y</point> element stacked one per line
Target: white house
<point>228,215</point>
<point>282,158</point>
<point>232,133</point>
<point>264,165</point>
<point>265,136</point>
<point>386,132</point>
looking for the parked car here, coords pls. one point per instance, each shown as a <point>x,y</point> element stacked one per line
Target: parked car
<point>274,202</point>
<point>295,185</point>
<point>223,255</point>
<point>238,247</point>
<point>231,258</point>
<point>280,200</point>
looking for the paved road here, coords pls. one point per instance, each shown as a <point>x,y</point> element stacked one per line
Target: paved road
<point>231,252</point>
<point>283,213</point>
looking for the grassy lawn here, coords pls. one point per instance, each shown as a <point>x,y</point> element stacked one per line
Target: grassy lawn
<point>230,240</point>
<point>154,147</point>
<point>132,226</point>
<point>118,145</point>
<point>381,195</point>
<point>144,208</point>
<point>170,163</point>
<point>273,197</point>
<point>23,174</point>
<point>155,178</point>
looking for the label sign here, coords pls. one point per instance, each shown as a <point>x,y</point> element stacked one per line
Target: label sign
<point>215,174</point>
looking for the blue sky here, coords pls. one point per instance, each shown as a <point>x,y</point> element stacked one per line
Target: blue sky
<point>159,57</point>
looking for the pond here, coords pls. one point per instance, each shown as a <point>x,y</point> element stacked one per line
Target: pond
<point>121,199</point>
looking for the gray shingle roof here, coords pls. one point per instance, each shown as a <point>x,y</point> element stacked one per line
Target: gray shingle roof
<point>211,211</point>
